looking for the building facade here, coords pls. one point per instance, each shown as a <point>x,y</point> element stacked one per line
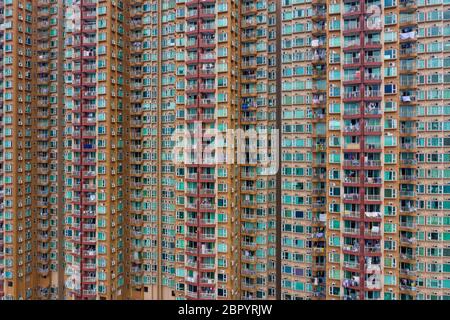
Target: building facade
<point>232,149</point>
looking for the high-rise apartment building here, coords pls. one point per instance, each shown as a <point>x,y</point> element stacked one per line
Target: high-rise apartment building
<point>2,192</point>
<point>32,223</point>
<point>135,137</point>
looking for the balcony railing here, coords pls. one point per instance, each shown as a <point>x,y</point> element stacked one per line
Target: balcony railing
<point>351,264</point>
<point>372,163</point>
<point>352,60</point>
<point>352,196</point>
<point>351,230</point>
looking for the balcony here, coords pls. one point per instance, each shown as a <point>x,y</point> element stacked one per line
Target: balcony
<point>408,83</point>
<point>373,232</point>
<point>372,76</point>
<point>352,95</point>
<point>406,194</point>
<point>318,73</point>
<point>372,163</point>
<point>372,197</point>
<point>351,197</point>
<point>207,266</point>
<point>353,231</point>
<point>352,60</point>
<point>408,113</point>
<point>407,241</point>
<point>408,209</point>
<point>408,256</point>
<point>319,99</point>
<point>408,162</point>
<point>373,284</point>
<point>408,66</point>
<point>207,236</point>
<point>408,225</point>
<point>408,36</point>
<point>89,292</point>
<point>351,264</point>
<point>351,214</point>
<point>350,10</point>
<point>320,147</point>
<point>352,129</point>
<point>408,146</point>
<point>248,203</point>
<point>318,14</point>
<point>351,297</point>
<point>351,27</point>
<point>207,221</point>
<point>207,27</point>
<point>408,272</point>
<point>248,174</point>
<point>350,283</point>
<point>351,248</point>
<point>207,206</point>
<point>248,244</point>
<point>373,180</point>
<point>408,131</point>
<point>191,264</point>
<point>248,8</point>
<point>205,280</point>
<point>207,295</point>
<point>318,28</point>
<point>372,94</point>
<point>408,5</point>
<point>372,129</point>
<point>208,251</point>
<point>248,50</point>
<point>351,179</point>
<point>373,214</point>
<point>192,294</point>
<point>404,287</point>
<point>248,22</point>
<point>407,52</point>
<point>372,249</point>
<point>376,43</point>
<point>137,234</point>
<point>89,253</point>
<point>372,146</point>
